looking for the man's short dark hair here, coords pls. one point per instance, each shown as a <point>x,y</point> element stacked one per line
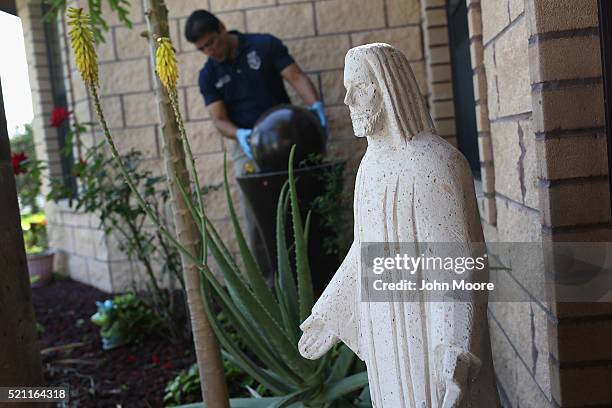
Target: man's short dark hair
<point>201,22</point>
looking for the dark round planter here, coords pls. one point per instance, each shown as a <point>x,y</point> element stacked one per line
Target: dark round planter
<point>278,130</point>
<point>262,191</point>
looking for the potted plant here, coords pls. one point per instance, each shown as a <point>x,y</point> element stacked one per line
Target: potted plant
<point>40,257</point>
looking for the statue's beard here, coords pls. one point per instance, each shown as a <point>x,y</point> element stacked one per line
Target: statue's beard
<point>367,125</point>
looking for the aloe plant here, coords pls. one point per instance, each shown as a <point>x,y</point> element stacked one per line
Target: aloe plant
<point>268,320</point>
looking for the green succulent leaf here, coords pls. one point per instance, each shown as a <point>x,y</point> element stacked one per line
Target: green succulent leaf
<point>304,279</point>
<point>286,290</point>
<point>254,273</point>
<point>343,387</point>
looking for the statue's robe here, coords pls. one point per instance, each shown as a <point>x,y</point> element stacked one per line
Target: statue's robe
<point>420,192</point>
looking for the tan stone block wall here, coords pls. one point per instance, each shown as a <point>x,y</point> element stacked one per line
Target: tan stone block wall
<point>336,16</point>
<point>401,12</point>
<point>220,5</point>
<point>320,53</point>
<point>290,21</point>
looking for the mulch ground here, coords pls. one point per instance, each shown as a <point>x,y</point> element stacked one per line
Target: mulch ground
<point>129,376</point>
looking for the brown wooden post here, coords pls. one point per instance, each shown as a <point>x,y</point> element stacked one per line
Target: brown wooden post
<point>19,353</point>
<point>212,378</point>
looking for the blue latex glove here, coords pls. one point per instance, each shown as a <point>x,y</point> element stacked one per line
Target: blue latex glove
<point>243,136</point>
<point>319,109</point>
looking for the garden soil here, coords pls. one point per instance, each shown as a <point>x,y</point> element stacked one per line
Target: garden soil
<point>129,376</point>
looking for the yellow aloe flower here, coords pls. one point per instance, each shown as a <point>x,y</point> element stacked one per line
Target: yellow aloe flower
<point>166,65</point>
<point>248,168</point>
<point>82,42</point>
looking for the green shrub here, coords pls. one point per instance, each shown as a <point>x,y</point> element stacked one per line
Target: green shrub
<point>184,388</point>
<point>135,317</point>
<point>103,192</point>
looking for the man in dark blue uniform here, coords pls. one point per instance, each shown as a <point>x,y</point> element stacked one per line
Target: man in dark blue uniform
<point>243,78</point>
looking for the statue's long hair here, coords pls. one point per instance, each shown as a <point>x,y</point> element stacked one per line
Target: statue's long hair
<point>406,107</point>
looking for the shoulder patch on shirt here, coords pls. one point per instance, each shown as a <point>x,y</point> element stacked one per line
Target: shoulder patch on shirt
<point>222,81</point>
<point>253,60</point>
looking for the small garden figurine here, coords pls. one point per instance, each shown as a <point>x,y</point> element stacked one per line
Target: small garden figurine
<point>126,319</point>
<point>106,318</point>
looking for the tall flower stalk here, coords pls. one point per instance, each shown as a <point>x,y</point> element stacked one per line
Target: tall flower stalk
<point>207,349</point>
<point>167,70</point>
<point>189,218</point>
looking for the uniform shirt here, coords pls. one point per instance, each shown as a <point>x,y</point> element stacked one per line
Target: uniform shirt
<point>251,83</point>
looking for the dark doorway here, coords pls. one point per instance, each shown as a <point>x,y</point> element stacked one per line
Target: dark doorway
<point>465,115</point>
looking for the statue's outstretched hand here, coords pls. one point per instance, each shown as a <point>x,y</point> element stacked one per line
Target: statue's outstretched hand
<point>316,340</point>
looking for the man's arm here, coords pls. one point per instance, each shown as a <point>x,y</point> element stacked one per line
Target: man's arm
<point>221,120</point>
<point>301,83</point>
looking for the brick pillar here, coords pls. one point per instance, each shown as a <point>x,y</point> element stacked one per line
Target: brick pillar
<point>568,119</point>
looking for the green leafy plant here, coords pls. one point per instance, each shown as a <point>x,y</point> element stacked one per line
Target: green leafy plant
<point>136,319</point>
<point>331,207</point>
<point>184,388</point>
<point>103,192</point>
<point>34,227</point>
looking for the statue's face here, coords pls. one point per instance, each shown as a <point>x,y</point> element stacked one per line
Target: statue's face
<point>363,97</point>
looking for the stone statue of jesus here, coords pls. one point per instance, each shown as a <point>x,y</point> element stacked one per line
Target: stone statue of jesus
<point>412,186</point>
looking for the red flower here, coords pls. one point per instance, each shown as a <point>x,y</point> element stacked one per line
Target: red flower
<point>131,358</point>
<point>58,116</point>
<point>155,359</point>
<point>17,159</point>
<point>168,365</point>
